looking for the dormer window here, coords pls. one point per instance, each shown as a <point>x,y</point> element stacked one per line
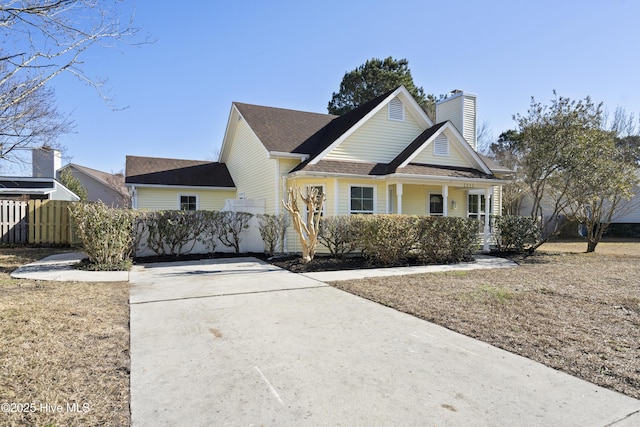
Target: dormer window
<point>396,110</point>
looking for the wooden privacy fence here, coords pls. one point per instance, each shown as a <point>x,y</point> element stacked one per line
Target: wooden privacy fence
<point>13,221</point>
<point>37,222</point>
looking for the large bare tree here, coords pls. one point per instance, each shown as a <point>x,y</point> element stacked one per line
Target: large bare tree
<point>42,39</point>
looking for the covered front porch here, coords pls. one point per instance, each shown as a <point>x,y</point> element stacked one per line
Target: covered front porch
<point>454,199</point>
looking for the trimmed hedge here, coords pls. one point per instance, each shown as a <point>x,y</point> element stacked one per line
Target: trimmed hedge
<point>339,234</point>
<point>111,235</point>
<point>446,240</point>
<point>386,239</point>
<point>516,233</point>
<point>394,239</point>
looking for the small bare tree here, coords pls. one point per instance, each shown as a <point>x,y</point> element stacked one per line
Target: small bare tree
<point>233,224</point>
<point>307,232</point>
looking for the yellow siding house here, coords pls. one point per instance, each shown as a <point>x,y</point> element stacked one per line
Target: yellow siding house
<point>385,156</point>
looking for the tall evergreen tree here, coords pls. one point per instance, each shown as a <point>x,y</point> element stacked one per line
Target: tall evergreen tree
<point>373,78</point>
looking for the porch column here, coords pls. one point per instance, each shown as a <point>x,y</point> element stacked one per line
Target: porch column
<point>336,197</point>
<point>445,200</point>
<point>399,196</point>
<point>277,185</point>
<point>488,195</point>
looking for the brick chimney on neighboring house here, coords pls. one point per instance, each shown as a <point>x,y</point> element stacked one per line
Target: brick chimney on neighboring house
<point>45,162</point>
<point>460,108</point>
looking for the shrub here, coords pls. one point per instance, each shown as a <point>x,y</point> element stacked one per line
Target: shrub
<point>106,233</point>
<point>339,235</point>
<point>444,240</point>
<point>272,230</point>
<point>212,224</point>
<point>386,239</point>
<point>516,233</point>
<point>173,232</point>
<point>233,224</point>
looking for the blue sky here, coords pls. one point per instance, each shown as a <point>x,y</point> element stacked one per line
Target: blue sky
<point>292,54</point>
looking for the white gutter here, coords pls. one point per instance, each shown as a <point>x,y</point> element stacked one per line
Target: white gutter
<point>182,187</point>
<point>285,155</point>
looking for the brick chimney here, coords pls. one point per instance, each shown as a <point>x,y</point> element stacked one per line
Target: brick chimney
<point>45,162</point>
<point>460,108</point>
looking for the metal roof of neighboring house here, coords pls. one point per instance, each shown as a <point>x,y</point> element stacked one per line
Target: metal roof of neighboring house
<point>37,186</point>
<point>190,173</point>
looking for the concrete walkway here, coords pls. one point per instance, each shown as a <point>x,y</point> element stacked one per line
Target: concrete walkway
<point>240,342</point>
<point>482,262</point>
<point>59,268</point>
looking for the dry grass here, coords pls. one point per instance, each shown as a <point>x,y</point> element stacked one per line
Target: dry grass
<point>62,343</point>
<point>576,312</point>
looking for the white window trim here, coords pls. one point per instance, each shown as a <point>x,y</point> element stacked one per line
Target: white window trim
<point>180,195</point>
<point>402,110</point>
<point>434,193</point>
<point>375,198</point>
<point>488,203</point>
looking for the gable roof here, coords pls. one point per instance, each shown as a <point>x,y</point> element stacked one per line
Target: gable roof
<point>284,132</point>
<point>415,145</point>
<point>177,172</point>
<point>104,178</point>
<point>280,129</point>
<point>360,115</point>
<point>299,132</point>
<point>327,136</point>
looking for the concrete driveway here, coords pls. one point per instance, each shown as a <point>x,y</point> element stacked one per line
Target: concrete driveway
<point>240,342</point>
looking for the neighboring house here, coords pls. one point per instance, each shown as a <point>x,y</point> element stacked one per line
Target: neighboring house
<point>101,186</point>
<point>624,223</point>
<point>42,185</point>
<point>629,212</point>
<point>385,156</point>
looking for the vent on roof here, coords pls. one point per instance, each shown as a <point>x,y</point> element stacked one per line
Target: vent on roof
<point>396,110</point>
<point>441,146</point>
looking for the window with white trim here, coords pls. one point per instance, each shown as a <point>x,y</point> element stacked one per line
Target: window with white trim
<point>477,206</point>
<point>436,204</point>
<point>396,110</point>
<point>362,200</point>
<point>188,202</point>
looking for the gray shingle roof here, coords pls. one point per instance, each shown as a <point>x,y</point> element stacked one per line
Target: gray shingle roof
<point>376,169</point>
<point>301,132</point>
<point>191,173</point>
<point>281,129</point>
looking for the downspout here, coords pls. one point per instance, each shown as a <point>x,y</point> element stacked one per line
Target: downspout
<point>134,197</point>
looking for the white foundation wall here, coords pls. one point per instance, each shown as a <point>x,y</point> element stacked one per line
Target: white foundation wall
<point>250,238</point>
